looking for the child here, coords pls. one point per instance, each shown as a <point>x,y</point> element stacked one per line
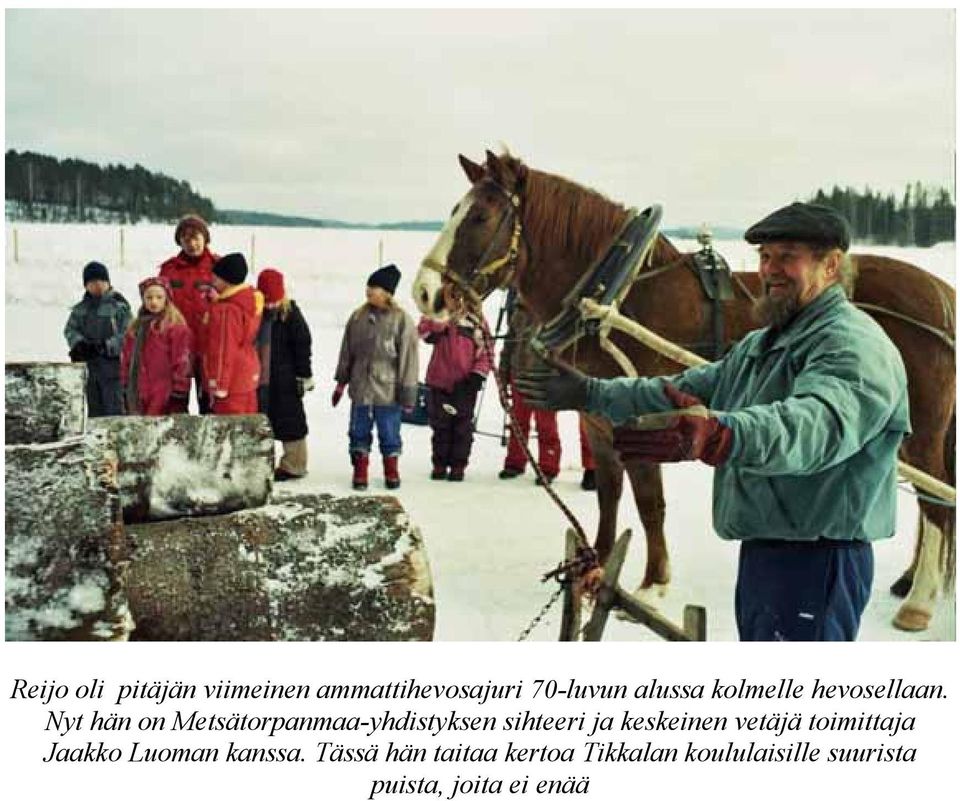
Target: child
<point>231,366</point>
<point>155,363</point>
<point>94,333</point>
<point>284,344</point>
<point>513,358</point>
<point>190,276</point>
<point>378,359</point>
<point>458,366</point>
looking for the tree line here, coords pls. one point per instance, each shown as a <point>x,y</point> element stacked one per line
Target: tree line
<point>48,189</point>
<point>922,217</point>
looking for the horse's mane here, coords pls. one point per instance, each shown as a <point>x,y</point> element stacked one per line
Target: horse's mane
<point>562,214</point>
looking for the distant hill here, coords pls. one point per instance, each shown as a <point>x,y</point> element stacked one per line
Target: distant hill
<point>239,217</point>
<point>718,231</point>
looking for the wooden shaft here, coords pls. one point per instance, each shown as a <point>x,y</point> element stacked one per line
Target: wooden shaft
<point>612,318</point>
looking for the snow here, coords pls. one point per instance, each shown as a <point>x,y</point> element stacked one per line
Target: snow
<point>488,541</point>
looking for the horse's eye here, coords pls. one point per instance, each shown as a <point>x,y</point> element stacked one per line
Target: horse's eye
<point>479,218</point>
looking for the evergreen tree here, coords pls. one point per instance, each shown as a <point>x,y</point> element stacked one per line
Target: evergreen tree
<point>45,188</point>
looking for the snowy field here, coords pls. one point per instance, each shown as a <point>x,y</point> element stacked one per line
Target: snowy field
<point>488,540</point>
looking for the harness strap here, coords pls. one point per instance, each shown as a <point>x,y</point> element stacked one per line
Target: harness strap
<point>943,336</point>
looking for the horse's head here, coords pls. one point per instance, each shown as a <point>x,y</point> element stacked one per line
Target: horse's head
<point>479,248</point>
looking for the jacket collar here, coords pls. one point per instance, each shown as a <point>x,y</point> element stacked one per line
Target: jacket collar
<point>808,319</point>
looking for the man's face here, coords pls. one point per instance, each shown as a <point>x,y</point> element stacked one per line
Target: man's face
<point>192,242</point>
<point>792,277</point>
<point>96,288</point>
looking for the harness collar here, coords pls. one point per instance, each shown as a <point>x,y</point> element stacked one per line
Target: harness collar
<point>607,281</point>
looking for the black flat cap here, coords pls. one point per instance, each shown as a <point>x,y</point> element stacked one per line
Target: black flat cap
<point>802,222</point>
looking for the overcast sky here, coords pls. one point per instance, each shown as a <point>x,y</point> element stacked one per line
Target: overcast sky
<point>359,115</point>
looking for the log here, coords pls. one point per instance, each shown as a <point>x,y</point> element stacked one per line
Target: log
<point>305,567</point>
<point>64,546</point>
<point>185,465</point>
<point>46,401</point>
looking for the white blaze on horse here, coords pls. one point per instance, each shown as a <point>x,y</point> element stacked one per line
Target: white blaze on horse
<point>554,241</point>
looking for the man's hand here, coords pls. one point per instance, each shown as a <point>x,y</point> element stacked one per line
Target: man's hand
<point>554,387</point>
<point>688,436</point>
<point>304,385</point>
<point>337,394</point>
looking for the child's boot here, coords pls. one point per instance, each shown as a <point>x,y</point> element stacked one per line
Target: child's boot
<point>361,467</point>
<point>439,472</point>
<point>391,471</point>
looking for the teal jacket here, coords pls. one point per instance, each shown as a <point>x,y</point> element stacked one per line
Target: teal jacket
<point>818,412</point>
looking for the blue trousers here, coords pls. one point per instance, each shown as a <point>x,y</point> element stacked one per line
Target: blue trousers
<point>802,590</point>
<point>387,421</point>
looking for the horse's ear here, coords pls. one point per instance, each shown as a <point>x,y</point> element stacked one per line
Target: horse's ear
<point>474,171</point>
<point>495,168</point>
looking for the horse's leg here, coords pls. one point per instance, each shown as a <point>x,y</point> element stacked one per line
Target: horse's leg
<point>647,483</point>
<point>916,611</point>
<point>936,531</point>
<point>901,587</point>
<point>609,483</point>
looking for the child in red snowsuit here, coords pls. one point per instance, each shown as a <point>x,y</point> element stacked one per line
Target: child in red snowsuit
<point>231,365</point>
<point>155,359</point>
<point>190,276</point>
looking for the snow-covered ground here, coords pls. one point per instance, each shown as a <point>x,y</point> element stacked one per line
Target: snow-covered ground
<point>488,540</point>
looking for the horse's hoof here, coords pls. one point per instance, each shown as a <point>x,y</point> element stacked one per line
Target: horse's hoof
<point>652,594</point>
<point>912,618</point>
<point>901,587</point>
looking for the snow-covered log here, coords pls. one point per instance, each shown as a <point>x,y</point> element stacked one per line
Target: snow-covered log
<point>305,567</point>
<point>64,545</point>
<point>187,465</point>
<point>46,401</point>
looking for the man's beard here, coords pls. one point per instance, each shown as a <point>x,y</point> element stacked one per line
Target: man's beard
<point>775,310</point>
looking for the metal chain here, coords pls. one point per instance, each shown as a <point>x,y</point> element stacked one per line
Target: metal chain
<point>538,618</point>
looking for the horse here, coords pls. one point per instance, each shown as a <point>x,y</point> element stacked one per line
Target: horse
<point>542,233</point>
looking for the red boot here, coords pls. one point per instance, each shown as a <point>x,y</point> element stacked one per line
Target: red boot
<point>391,471</point>
<point>361,466</point>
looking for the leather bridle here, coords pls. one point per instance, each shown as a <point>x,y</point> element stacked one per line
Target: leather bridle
<point>476,283</point>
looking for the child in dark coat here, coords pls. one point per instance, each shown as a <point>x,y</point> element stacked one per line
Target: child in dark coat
<point>284,344</point>
<point>458,367</point>
<point>156,360</point>
<point>94,334</point>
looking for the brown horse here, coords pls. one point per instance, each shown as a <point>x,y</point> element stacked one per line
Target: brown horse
<point>543,233</point>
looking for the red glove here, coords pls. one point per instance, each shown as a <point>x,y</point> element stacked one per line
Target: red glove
<point>177,403</point>
<point>686,438</point>
<point>337,394</point>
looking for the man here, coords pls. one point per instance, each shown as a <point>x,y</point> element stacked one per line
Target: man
<point>94,334</point>
<point>805,419</point>
<point>189,273</point>
<point>231,365</point>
